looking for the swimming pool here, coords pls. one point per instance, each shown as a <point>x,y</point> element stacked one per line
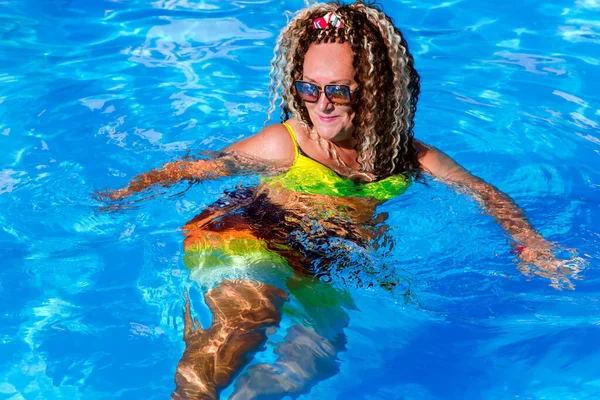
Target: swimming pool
<point>92,93</point>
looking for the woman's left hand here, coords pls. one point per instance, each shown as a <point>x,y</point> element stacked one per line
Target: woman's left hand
<point>538,256</point>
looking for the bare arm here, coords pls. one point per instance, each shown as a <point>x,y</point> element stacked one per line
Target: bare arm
<point>269,150</point>
<point>531,247</point>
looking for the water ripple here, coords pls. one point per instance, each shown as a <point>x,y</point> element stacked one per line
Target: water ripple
<point>92,93</point>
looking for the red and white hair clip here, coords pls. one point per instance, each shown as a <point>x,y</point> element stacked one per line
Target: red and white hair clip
<point>329,19</point>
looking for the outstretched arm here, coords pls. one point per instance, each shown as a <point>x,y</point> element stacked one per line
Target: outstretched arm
<point>185,170</point>
<point>529,245</point>
<point>269,151</point>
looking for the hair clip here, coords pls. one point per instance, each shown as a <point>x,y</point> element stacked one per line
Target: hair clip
<point>329,19</point>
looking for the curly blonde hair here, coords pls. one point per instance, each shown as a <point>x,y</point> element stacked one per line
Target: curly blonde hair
<point>388,84</point>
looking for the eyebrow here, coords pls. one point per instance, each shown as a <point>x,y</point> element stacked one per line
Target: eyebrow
<point>337,82</point>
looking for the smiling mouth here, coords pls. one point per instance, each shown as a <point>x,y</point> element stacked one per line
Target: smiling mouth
<point>327,119</point>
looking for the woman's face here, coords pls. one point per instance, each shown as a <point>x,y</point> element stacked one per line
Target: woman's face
<point>328,64</point>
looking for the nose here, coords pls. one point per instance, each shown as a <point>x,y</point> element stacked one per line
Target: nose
<point>324,104</point>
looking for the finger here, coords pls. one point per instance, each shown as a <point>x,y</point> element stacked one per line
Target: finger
<point>552,271</point>
<point>119,194</point>
<point>576,265</point>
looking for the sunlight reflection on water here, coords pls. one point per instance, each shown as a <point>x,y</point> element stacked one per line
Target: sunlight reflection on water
<point>94,92</point>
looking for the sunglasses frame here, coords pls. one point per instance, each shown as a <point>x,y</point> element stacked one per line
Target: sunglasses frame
<point>322,90</point>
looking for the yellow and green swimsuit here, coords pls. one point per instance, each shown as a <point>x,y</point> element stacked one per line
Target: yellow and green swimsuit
<point>311,177</point>
<point>215,252</point>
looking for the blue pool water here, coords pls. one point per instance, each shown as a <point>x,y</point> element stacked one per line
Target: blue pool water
<point>94,92</point>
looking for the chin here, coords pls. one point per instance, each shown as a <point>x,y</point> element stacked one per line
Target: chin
<point>329,132</point>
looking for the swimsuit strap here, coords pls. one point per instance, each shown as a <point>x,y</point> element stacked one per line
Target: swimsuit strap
<point>293,136</point>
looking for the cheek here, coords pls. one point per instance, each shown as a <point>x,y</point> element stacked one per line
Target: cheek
<point>351,114</point>
<point>310,107</point>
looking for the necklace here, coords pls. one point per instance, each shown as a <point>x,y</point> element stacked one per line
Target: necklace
<point>329,147</point>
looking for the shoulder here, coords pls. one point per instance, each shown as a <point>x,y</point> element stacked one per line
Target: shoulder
<point>271,143</point>
<point>276,135</point>
<point>437,163</point>
<point>427,154</point>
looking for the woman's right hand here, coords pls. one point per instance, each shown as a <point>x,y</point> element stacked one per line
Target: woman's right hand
<point>114,195</point>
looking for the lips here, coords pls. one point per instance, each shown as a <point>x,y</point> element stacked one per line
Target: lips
<point>327,119</point>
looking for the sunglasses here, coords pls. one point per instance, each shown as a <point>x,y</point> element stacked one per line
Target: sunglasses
<point>337,94</point>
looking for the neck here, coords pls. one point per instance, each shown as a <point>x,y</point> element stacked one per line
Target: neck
<point>346,144</point>
<point>346,153</point>
<point>343,144</point>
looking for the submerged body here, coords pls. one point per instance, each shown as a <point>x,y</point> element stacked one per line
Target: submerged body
<point>259,262</point>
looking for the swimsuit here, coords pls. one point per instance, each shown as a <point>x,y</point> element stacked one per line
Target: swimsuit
<point>243,236</point>
<point>311,177</point>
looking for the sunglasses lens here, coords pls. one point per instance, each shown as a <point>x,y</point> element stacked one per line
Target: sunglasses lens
<point>307,91</point>
<point>338,94</point>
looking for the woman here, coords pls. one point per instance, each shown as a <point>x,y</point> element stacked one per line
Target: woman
<point>348,90</point>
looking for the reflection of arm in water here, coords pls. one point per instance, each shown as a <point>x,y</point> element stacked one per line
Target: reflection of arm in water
<point>269,151</point>
<point>530,246</point>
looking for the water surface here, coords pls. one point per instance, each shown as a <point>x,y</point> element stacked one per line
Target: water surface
<point>92,93</point>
